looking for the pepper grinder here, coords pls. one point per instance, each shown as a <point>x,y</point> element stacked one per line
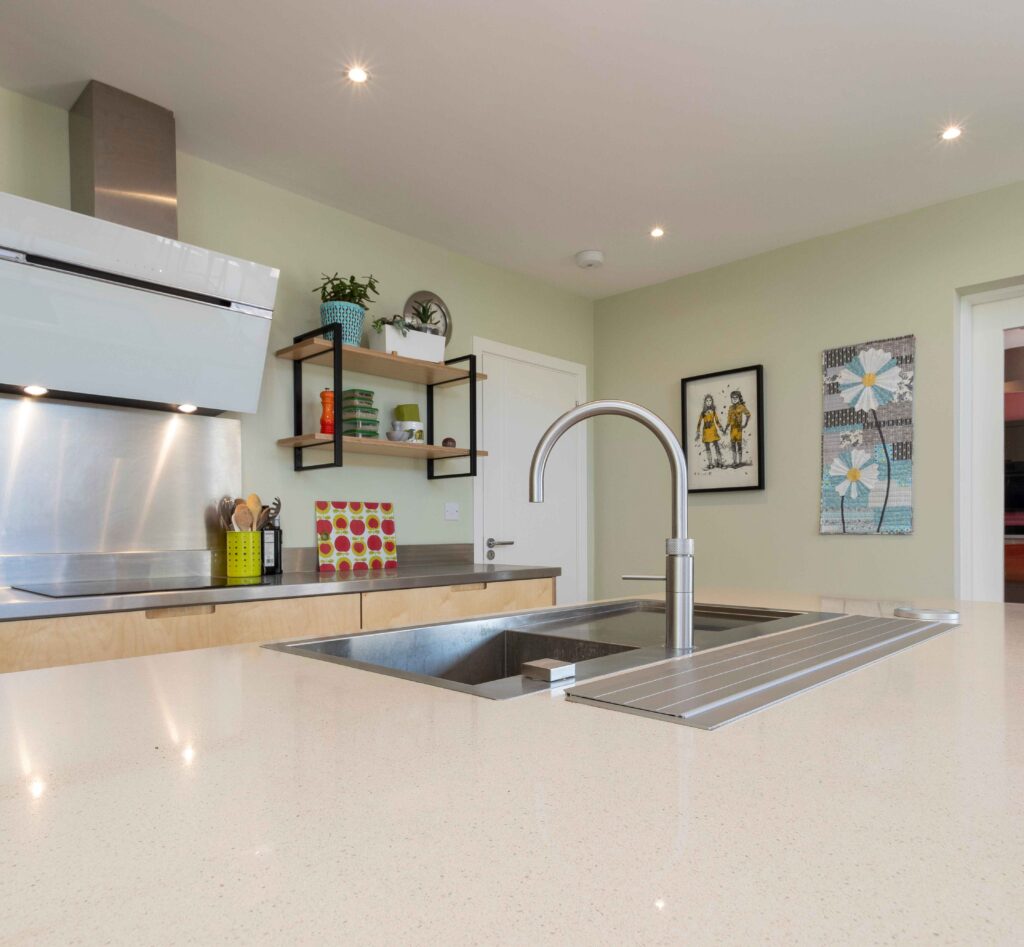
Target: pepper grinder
<point>327,411</point>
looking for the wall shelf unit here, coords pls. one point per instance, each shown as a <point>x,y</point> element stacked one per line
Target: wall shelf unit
<point>315,348</point>
<point>386,448</point>
<point>319,351</point>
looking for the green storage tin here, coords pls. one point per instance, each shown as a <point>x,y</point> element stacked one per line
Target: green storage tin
<point>407,412</point>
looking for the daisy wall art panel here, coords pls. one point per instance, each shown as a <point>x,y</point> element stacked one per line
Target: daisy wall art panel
<point>867,440</point>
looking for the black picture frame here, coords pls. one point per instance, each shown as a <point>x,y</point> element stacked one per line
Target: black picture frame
<point>686,434</point>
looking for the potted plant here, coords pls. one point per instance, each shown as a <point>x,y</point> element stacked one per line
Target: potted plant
<point>343,302</point>
<point>414,336</point>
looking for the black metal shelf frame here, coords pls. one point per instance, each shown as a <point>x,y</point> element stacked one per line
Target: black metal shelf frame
<point>336,354</point>
<point>431,475</point>
<point>337,360</point>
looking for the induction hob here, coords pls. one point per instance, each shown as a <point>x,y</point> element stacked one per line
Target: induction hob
<point>122,586</point>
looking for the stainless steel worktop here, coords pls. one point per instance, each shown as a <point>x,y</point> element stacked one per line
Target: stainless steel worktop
<point>21,605</point>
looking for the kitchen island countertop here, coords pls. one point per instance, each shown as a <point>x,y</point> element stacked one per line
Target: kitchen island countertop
<point>242,794</point>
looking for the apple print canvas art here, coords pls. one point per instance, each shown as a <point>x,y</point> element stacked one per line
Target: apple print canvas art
<point>355,535</point>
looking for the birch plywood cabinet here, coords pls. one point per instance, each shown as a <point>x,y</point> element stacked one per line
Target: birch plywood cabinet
<point>48,642</point>
<point>400,607</point>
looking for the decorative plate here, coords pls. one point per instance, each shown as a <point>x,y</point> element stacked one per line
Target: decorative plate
<point>355,535</point>
<point>444,316</point>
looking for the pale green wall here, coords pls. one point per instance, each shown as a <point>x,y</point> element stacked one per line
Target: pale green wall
<point>227,211</point>
<point>782,309</point>
<point>33,149</point>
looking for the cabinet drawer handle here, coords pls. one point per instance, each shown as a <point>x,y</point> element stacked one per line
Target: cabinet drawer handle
<point>470,587</point>
<point>180,611</point>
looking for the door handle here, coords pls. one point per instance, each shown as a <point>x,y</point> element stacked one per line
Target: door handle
<point>491,543</point>
<point>644,578</point>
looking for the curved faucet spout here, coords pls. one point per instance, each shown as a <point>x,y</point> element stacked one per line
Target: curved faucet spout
<point>678,549</point>
<point>625,409</point>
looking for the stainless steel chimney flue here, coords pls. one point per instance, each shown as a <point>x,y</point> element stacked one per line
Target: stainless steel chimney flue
<point>123,160</point>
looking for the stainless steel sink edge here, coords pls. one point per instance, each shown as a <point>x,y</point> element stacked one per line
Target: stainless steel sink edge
<point>551,622</point>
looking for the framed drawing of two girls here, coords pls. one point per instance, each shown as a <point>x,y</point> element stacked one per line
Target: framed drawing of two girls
<point>723,430</point>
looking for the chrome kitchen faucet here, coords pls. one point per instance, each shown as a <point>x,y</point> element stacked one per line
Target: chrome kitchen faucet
<point>678,549</point>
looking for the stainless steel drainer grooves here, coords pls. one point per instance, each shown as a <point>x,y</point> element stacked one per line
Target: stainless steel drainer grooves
<point>712,688</point>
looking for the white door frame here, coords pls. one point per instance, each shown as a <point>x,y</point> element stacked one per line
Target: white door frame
<point>482,346</point>
<point>967,537</point>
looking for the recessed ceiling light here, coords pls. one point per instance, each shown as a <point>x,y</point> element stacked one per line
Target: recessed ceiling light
<point>357,74</point>
<point>35,390</point>
<point>187,408</point>
<point>658,232</point>
<point>951,133</point>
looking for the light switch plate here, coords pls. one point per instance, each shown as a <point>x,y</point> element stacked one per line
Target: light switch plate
<point>451,511</point>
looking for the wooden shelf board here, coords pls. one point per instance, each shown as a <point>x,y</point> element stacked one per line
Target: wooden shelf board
<point>382,446</point>
<point>355,358</point>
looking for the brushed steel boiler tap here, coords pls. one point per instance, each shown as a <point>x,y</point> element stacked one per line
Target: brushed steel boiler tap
<point>678,548</point>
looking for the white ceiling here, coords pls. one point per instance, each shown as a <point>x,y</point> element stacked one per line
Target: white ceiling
<point>521,132</point>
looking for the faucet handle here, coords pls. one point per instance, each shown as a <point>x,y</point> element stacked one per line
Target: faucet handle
<point>644,578</point>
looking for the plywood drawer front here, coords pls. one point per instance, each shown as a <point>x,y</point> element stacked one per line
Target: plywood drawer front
<point>286,618</point>
<point>449,602</point>
<point>48,642</point>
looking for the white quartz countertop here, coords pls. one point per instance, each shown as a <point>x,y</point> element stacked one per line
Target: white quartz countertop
<point>242,795</point>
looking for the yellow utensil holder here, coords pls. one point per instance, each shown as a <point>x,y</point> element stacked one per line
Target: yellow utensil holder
<point>245,555</point>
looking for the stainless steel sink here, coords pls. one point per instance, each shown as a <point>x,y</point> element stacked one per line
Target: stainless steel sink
<point>484,656</point>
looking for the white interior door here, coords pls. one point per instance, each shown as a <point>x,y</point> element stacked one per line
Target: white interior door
<point>524,392</point>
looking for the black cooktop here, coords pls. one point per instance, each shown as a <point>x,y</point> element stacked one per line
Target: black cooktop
<point>123,586</point>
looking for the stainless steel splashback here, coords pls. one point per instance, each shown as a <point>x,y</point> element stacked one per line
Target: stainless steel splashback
<point>78,479</point>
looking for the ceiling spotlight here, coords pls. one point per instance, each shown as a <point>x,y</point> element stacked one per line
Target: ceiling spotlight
<point>658,232</point>
<point>35,390</point>
<point>951,133</point>
<point>187,408</point>
<point>357,74</point>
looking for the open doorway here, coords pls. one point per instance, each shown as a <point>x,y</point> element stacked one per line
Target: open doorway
<point>990,446</point>
<point>1013,464</point>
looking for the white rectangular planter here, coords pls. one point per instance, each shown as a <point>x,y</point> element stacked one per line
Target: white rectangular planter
<point>430,348</point>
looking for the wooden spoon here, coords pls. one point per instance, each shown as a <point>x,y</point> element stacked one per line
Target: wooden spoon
<point>255,507</point>
<point>242,519</point>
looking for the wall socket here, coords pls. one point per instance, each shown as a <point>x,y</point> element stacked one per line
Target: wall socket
<point>451,511</point>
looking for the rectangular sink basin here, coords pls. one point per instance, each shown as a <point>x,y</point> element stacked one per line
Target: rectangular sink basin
<point>484,656</point>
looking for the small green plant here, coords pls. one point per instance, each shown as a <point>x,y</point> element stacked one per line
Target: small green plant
<point>338,289</point>
<point>424,311</point>
<point>397,321</point>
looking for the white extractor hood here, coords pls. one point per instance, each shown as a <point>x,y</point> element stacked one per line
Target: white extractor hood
<point>96,311</point>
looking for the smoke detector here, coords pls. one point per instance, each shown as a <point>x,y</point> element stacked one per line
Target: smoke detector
<point>588,259</point>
